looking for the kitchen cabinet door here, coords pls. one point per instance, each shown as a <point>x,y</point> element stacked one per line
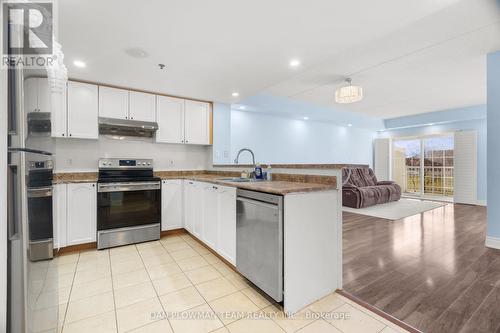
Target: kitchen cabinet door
<point>226,223</point>
<point>188,205</point>
<point>197,209</point>
<point>31,94</point>
<point>113,103</point>
<point>210,215</point>
<point>142,106</point>
<point>171,208</point>
<point>83,110</point>
<point>197,122</point>
<point>44,104</point>
<point>170,118</point>
<point>81,210</point>
<point>59,114</point>
<point>59,215</point>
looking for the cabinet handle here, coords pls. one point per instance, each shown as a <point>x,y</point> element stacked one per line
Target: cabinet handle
<point>215,187</point>
<point>187,141</point>
<point>70,134</point>
<point>63,134</point>
<point>126,117</point>
<point>132,118</point>
<point>93,185</point>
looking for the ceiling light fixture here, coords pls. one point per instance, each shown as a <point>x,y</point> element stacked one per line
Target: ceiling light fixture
<point>348,94</point>
<point>294,63</point>
<point>349,125</point>
<point>235,94</point>
<point>242,107</point>
<point>306,118</point>
<point>79,63</point>
<point>136,52</point>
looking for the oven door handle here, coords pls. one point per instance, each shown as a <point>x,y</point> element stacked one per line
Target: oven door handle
<point>40,192</point>
<point>127,187</point>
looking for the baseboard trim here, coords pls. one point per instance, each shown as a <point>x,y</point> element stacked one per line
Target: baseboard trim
<point>76,248</point>
<point>178,231</point>
<point>375,310</point>
<point>492,242</point>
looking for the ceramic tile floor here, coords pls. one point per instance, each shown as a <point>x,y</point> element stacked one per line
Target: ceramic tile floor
<point>175,285</point>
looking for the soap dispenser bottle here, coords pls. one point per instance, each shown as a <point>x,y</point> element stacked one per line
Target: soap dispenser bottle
<point>258,172</point>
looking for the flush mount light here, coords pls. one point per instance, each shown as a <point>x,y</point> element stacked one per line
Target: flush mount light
<point>348,94</point>
<point>136,52</point>
<point>305,118</point>
<point>242,107</point>
<point>79,63</point>
<point>349,125</point>
<point>235,94</point>
<point>294,63</point>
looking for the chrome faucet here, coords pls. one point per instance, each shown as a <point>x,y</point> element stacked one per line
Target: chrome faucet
<point>242,150</point>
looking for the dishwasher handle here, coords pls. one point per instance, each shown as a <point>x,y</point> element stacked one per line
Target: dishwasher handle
<point>257,202</point>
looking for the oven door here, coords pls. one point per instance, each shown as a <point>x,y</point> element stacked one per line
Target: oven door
<point>128,204</point>
<point>40,213</point>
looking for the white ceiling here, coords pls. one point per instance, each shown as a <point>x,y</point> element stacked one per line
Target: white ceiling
<point>411,56</point>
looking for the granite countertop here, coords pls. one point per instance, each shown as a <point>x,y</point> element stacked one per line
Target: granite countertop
<point>281,184</point>
<point>295,166</point>
<point>275,187</point>
<point>74,177</point>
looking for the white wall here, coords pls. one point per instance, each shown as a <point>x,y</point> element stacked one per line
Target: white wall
<point>222,133</point>
<point>285,140</point>
<point>74,155</point>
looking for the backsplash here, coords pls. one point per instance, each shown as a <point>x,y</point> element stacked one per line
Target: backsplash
<point>79,155</point>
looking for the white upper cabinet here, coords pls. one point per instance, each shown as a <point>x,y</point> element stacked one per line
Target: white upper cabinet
<point>197,122</point>
<point>31,95</point>
<point>142,106</point>
<point>171,208</point>
<point>83,110</point>
<point>170,118</point>
<point>82,213</point>
<point>113,103</point>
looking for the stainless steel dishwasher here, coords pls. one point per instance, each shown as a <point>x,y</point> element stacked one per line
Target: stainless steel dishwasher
<point>259,240</point>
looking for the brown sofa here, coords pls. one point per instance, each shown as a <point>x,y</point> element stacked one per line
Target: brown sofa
<point>361,189</point>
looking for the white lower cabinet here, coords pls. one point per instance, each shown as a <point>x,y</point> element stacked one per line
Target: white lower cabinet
<point>193,203</point>
<point>226,223</point>
<point>59,216</point>
<point>172,204</point>
<point>210,215</point>
<point>75,208</point>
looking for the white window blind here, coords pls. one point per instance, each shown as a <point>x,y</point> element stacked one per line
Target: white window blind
<point>382,151</point>
<point>465,167</point>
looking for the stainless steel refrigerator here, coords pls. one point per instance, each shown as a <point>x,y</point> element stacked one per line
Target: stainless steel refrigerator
<point>33,285</point>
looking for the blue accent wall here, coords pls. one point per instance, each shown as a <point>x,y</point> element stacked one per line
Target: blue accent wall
<point>493,145</point>
<point>462,119</point>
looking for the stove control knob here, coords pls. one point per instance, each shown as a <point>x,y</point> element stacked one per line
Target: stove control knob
<point>149,163</point>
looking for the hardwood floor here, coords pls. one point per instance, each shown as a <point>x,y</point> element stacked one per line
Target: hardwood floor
<point>431,270</point>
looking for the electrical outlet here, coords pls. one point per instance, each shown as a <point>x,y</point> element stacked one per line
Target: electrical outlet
<point>226,154</point>
<point>171,162</point>
<point>69,161</point>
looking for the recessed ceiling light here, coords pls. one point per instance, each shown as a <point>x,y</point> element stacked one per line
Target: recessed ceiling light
<point>242,107</point>
<point>79,63</point>
<point>235,94</point>
<point>431,124</point>
<point>305,118</point>
<point>349,125</point>
<point>136,52</point>
<point>294,63</point>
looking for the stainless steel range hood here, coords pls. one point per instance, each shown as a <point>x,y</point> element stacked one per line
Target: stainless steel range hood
<point>125,127</point>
